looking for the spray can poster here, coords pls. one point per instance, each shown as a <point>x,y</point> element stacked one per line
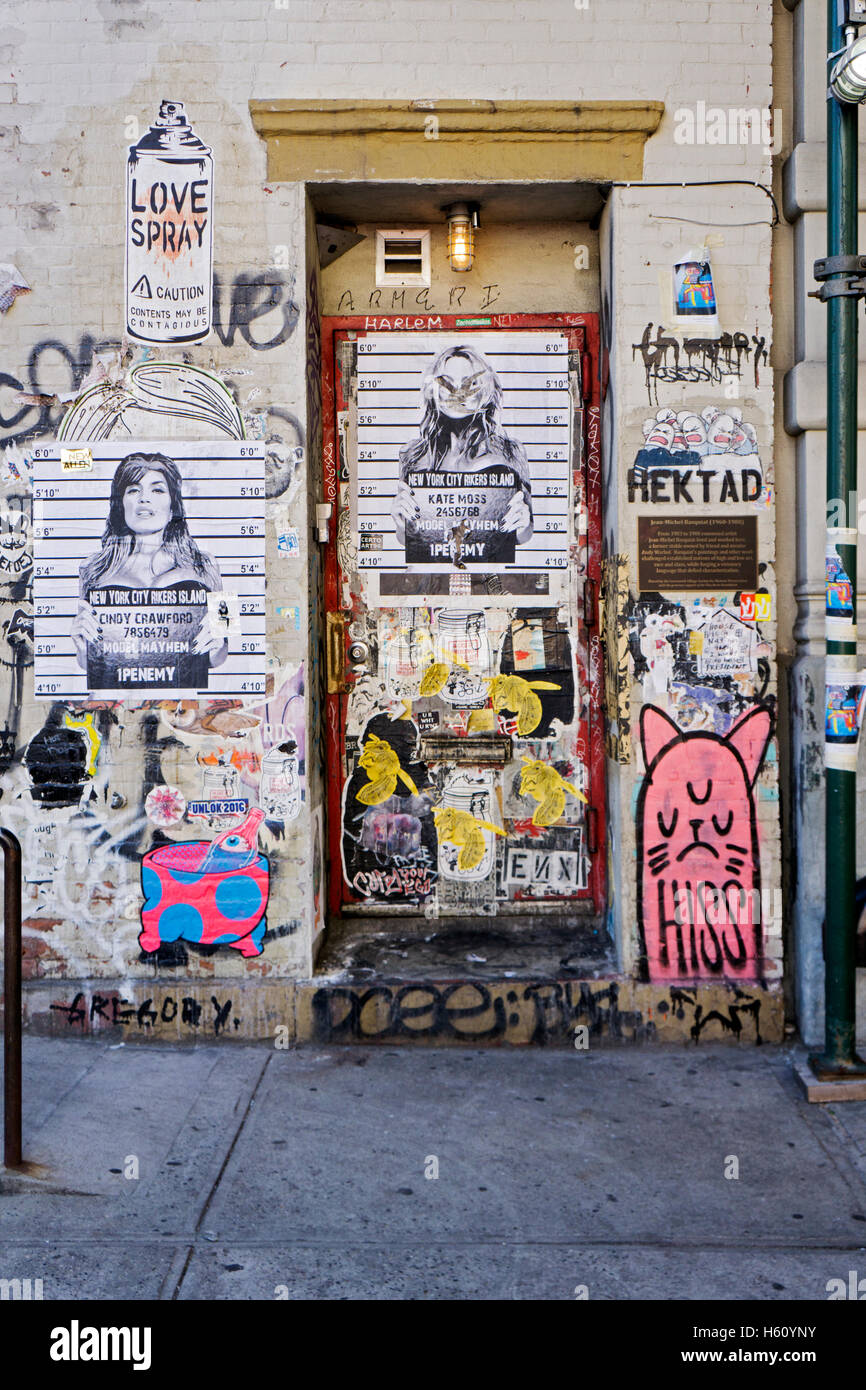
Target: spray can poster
<point>845,704</point>
<point>169,232</point>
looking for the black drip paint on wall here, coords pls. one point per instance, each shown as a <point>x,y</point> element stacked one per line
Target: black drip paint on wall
<point>56,759</point>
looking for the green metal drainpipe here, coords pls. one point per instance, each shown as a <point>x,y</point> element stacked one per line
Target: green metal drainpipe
<point>839,1057</point>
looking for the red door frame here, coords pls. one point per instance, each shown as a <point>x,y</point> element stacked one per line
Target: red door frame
<point>583,333</point>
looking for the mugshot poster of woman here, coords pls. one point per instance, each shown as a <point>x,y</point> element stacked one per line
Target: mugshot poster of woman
<point>483,481</point>
<point>155,553</point>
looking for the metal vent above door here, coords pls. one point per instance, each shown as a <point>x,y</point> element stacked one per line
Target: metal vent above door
<point>402,259</point>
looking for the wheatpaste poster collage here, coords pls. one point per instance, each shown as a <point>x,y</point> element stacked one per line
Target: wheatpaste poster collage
<point>461,515</point>
<point>463,466</point>
<point>149,569</point>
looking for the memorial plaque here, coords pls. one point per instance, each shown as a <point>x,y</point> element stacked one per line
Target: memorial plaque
<point>697,554</point>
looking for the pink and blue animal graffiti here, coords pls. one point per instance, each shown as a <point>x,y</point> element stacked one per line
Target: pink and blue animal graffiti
<point>211,893</point>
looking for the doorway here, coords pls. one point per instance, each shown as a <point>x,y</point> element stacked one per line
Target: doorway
<point>464,720</point>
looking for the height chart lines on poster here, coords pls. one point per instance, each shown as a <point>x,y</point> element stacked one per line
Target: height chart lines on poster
<point>149,569</point>
<point>463,458</point>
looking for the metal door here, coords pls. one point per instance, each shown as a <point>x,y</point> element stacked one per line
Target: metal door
<point>464,671</point>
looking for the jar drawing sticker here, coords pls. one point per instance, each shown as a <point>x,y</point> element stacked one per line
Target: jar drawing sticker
<point>406,641</point>
<point>464,824</point>
<point>280,792</point>
<point>463,646</point>
<point>220,782</point>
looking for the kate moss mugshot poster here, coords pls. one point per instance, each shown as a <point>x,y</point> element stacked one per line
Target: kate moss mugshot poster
<point>463,462</point>
<point>149,569</point>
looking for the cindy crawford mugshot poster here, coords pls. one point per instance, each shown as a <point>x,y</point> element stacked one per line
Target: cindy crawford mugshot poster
<point>149,569</point>
<point>464,463</point>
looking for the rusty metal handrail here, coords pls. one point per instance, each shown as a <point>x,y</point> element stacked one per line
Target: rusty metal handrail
<point>11,999</point>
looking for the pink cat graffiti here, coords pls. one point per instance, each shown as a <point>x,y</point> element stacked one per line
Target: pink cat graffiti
<point>699,894</point>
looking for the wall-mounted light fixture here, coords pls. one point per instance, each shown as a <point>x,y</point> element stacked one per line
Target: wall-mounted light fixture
<point>462,222</point>
<point>848,76</point>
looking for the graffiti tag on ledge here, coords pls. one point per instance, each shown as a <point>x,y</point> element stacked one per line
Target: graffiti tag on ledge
<point>110,1010</point>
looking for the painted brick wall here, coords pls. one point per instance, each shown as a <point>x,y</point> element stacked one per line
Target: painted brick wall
<point>75,79</point>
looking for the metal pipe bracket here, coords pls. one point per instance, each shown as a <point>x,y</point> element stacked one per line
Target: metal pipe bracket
<point>851,285</point>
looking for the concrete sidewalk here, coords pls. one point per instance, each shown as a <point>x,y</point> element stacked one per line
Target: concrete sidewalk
<point>265,1173</point>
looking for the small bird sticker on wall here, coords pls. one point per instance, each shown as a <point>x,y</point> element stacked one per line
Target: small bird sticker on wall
<point>463,829</point>
<point>545,785</point>
<point>382,766</point>
<point>518,695</point>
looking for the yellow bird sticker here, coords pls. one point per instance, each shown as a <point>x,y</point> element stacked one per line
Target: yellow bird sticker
<point>546,786</point>
<point>382,766</point>
<point>467,831</point>
<point>434,678</point>
<point>517,694</point>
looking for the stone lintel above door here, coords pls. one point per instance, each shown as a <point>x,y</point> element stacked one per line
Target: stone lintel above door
<point>478,141</point>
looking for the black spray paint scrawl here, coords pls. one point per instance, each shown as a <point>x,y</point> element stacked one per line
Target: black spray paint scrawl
<point>58,761</point>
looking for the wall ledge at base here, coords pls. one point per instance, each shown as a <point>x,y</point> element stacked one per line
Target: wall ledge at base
<point>459,1013</point>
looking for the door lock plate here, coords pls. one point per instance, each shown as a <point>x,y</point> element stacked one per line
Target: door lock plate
<point>335,643</point>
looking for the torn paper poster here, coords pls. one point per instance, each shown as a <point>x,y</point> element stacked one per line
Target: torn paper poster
<point>695,293</point>
<point>845,693</point>
<point>224,613</point>
<point>12,283</point>
<point>318,870</point>
<point>44,851</point>
<point>291,614</point>
<point>14,465</point>
<point>840,623</point>
<point>288,542</point>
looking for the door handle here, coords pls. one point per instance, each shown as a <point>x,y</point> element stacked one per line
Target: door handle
<point>335,652</point>
<point>359,653</point>
<point>592,830</point>
<point>589,602</point>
